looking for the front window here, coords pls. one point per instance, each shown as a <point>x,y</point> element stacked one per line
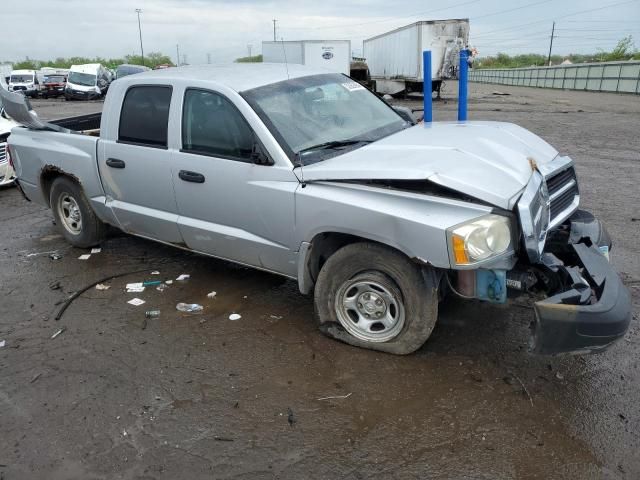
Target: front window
<point>84,79</point>
<point>21,79</point>
<point>320,116</point>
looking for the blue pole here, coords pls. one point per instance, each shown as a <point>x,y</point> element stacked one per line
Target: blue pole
<point>463,77</point>
<point>427,88</point>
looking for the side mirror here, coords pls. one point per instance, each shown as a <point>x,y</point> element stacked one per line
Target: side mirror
<point>405,113</point>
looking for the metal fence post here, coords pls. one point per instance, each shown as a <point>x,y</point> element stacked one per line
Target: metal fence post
<point>427,86</point>
<point>463,86</point>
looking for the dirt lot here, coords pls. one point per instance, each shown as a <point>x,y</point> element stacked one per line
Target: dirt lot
<point>200,396</point>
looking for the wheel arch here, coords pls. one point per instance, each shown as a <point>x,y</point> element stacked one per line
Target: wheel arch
<point>314,253</point>
<point>48,175</point>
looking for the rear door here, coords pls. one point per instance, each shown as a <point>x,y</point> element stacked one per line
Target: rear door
<point>135,165</point>
<point>229,206</point>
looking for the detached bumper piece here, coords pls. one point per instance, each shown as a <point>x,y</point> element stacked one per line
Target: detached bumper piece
<point>589,316</point>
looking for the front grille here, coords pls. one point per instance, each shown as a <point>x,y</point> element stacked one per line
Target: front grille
<point>3,152</point>
<point>563,190</point>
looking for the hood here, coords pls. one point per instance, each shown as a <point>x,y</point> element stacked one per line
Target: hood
<point>6,125</point>
<point>490,161</point>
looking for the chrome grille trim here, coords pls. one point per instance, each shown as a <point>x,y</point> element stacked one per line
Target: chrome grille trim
<point>3,153</point>
<point>534,211</point>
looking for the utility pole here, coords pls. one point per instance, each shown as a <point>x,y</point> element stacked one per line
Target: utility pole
<point>208,58</point>
<point>139,11</point>
<point>177,55</point>
<point>184,58</point>
<point>274,29</point>
<point>553,29</point>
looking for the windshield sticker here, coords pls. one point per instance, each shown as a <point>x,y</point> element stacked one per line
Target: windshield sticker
<point>352,86</point>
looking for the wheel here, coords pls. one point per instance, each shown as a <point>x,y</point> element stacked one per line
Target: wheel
<point>371,296</point>
<point>79,224</point>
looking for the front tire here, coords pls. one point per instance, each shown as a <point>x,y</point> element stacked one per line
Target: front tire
<point>79,224</point>
<point>371,296</point>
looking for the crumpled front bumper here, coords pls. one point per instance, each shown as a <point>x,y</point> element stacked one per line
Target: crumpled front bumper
<point>596,310</point>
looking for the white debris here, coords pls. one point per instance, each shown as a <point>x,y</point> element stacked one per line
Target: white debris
<point>162,287</point>
<point>275,317</point>
<point>184,276</point>
<point>235,316</point>
<point>155,272</point>
<point>135,287</point>
<point>168,282</point>
<point>211,294</point>
<point>57,333</point>
<point>86,256</point>
<point>96,250</point>
<point>189,307</point>
<point>136,302</point>
<point>2,343</point>
<point>100,286</point>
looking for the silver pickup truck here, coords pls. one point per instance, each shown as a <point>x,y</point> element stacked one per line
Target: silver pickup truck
<point>307,174</point>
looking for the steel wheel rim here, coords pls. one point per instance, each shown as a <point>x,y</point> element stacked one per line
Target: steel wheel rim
<point>369,310</point>
<point>69,213</point>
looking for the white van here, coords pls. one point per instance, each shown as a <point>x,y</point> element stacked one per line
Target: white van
<point>25,81</point>
<point>87,82</point>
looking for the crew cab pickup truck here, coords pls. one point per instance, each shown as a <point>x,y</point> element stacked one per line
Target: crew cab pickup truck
<point>309,175</point>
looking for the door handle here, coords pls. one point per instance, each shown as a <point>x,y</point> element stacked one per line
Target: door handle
<point>188,176</point>
<point>115,163</point>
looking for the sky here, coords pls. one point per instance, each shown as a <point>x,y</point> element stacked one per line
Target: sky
<point>223,30</point>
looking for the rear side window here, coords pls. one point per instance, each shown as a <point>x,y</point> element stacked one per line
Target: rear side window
<point>212,125</point>
<point>144,119</point>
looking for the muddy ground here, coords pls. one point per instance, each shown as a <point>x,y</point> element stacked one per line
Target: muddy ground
<point>199,396</point>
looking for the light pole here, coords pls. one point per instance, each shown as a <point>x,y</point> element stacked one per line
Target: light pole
<point>139,11</point>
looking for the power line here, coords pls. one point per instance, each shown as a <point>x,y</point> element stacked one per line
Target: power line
<point>510,10</point>
<point>389,19</point>
<point>515,27</point>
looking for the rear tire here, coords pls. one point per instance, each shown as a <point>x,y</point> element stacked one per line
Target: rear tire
<point>371,296</point>
<point>74,216</point>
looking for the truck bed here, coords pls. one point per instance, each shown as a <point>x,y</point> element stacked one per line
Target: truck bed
<point>86,124</point>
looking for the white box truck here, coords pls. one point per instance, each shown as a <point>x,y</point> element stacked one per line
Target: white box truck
<point>334,55</point>
<point>395,58</point>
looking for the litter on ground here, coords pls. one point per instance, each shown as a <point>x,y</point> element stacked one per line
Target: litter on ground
<point>55,256</point>
<point>85,256</point>
<point>151,283</point>
<point>161,287</point>
<point>184,276</point>
<point>135,287</point>
<point>189,307</point>
<point>136,302</point>
<point>168,282</point>
<point>100,286</point>
<point>96,250</point>
<point>211,294</point>
<point>58,333</point>
<point>2,343</point>
<point>155,272</point>
<point>235,316</point>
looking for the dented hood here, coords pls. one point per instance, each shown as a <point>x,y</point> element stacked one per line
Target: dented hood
<point>490,161</point>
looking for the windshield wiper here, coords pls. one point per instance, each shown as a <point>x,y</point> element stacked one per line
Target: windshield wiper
<point>333,144</point>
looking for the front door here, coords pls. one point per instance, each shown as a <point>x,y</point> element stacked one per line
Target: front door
<point>229,206</point>
<point>136,167</point>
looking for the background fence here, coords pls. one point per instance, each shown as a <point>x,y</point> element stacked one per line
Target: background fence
<point>622,77</point>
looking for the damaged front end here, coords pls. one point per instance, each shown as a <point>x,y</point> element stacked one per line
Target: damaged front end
<point>589,307</point>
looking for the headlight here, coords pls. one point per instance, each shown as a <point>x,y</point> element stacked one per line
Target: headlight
<point>480,239</point>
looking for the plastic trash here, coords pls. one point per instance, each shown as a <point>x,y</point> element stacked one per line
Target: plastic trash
<point>86,256</point>
<point>96,250</point>
<point>135,287</point>
<point>168,282</point>
<point>189,307</point>
<point>151,283</point>
<point>100,286</point>
<point>155,272</point>
<point>152,313</point>
<point>136,302</point>
<point>184,276</point>
<point>2,343</point>
<point>211,294</point>
<point>235,316</point>
<point>55,256</point>
<point>162,287</point>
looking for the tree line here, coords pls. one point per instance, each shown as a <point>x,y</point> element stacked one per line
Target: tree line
<point>151,60</point>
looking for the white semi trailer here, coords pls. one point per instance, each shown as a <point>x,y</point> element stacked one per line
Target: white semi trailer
<point>334,55</point>
<point>395,58</point>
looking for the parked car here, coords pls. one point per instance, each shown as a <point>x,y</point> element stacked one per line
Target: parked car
<point>53,86</point>
<point>87,82</point>
<point>125,69</point>
<point>309,175</point>
<point>7,174</point>
<point>25,82</point>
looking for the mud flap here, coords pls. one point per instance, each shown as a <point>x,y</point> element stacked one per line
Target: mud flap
<point>588,317</point>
